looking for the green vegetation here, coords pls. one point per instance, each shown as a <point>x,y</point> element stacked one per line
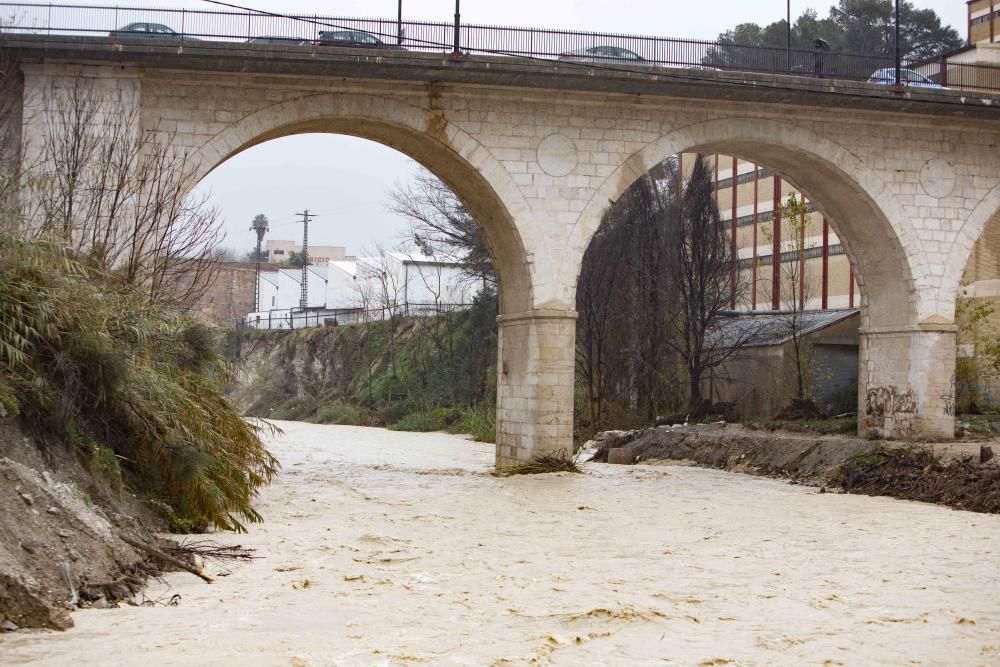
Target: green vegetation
<point>94,361</point>
<point>409,374</point>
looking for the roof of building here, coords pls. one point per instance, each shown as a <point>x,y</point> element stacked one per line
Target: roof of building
<point>350,267</point>
<point>318,270</point>
<point>761,329</point>
<point>294,274</point>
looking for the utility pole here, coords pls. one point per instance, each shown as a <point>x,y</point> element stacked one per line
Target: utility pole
<point>259,225</point>
<point>456,53</point>
<point>899,65</point>
<point>788,38</point>
<point>304,294</point>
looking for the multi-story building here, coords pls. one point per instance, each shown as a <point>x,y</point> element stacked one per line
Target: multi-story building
<point>279,250</point>
<point>984,22</point>
<point>751,201</point>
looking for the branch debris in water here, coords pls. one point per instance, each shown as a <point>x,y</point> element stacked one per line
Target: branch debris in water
<point>560,462</point>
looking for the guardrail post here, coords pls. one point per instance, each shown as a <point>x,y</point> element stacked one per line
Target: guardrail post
<point>456,51</point>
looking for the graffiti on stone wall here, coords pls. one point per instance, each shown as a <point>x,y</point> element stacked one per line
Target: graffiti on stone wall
<point>889,401</point>
<point>890,410</point>
<point>949,399</point>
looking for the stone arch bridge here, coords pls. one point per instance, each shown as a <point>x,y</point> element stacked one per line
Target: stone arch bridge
<point>537,151</point>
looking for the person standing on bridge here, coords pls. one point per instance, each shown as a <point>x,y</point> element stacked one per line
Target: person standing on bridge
<point>822,47</point>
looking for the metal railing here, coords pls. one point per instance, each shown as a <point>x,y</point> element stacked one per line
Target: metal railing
<point>291,319</point>
<point>694,57</point>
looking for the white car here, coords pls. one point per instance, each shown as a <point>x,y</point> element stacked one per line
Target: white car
<point>887,77</point>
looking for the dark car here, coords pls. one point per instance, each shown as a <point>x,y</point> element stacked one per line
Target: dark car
<point>355,39</point>
<point>146,31</point>
<point>280,41</point>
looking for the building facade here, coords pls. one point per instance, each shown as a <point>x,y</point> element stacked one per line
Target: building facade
<point>751,200</point>
<point>984,22</point>
<point>279,250</point>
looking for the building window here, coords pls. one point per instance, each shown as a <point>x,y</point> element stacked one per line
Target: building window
<point>792,256</point>
<point>744,178</point>
<point>765,216</point>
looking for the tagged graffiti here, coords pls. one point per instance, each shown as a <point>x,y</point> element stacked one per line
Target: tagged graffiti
<point>889,401</point>
<point>949,399</point>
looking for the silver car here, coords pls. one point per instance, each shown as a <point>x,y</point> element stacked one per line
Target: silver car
<point>907,77</point>
<point>604,54</point>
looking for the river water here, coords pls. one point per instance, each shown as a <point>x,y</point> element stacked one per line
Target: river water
<point>384,548</point>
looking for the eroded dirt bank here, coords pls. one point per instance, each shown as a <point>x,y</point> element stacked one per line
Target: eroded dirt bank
<point>60,535</point>
<point>388,548</point>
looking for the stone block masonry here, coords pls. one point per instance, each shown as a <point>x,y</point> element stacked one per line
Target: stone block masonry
<point>907,182</point>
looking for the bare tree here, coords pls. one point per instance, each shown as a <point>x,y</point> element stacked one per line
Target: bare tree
<point>440,226</point>
<point>701,274</point>
<point>796,291</point>
<point>624,297</point>
<point>119,196</point>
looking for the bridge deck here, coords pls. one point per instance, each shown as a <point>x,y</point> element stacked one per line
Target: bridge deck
<point>423,67</point>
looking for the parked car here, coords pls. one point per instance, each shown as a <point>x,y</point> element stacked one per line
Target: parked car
<point>887,77</point>
<point>603,54</point>
<point>280,41</point>
<point>355,39</point>
<point>617,54</point>
<point>146,31</point>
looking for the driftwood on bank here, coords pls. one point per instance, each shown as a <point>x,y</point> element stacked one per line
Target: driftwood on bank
<point>165,557</point>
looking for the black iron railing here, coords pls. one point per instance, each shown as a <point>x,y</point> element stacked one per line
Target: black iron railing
<point>303,32</point>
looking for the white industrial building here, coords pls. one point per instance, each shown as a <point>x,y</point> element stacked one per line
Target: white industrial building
<point>366,288</point>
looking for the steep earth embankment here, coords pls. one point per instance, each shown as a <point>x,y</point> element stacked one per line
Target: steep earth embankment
<point>60,527</point>
<point>945,473</point>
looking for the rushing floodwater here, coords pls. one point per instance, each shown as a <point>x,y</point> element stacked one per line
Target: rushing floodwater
<point>384,548</point>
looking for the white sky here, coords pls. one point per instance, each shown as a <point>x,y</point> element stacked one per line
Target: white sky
<point>347,180</point>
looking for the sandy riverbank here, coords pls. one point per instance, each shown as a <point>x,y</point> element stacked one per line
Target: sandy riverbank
<point>386,548</point>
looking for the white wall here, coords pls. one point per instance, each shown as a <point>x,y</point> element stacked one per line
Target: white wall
<point>268,289</point>
<point>340,291</point>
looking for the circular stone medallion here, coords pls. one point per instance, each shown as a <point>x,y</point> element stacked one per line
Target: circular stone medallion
<point>937,178</point>
<point>557,155</point>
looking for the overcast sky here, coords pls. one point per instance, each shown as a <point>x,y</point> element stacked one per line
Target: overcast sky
<point>347,181</point>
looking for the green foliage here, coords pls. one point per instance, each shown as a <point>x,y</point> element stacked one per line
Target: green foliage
<point>844,399</point>
<point>436,419</point>
<point>479,421</point>
<point>342,413</point>
<point>862,27</point>
<point>106,462</point>
<point>91,359</point>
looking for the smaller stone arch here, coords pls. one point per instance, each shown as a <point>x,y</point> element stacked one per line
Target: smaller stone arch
<point>985,214</point>
<point>868,218</point>
<point>454,156</point>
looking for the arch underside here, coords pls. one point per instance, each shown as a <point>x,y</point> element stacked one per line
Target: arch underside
<point>431,147</point>
<point>856,204</point>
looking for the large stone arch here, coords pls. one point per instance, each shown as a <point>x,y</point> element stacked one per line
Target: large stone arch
<point>449,152</point>
<point>866,215</point>
<point>907,353</point>
<point>986,212</point>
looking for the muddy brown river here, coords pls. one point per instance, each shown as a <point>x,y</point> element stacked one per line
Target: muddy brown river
<point>383,548</point>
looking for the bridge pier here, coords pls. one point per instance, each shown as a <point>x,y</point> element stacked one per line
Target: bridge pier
<point>906,384</point>
<point>535,374</point>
